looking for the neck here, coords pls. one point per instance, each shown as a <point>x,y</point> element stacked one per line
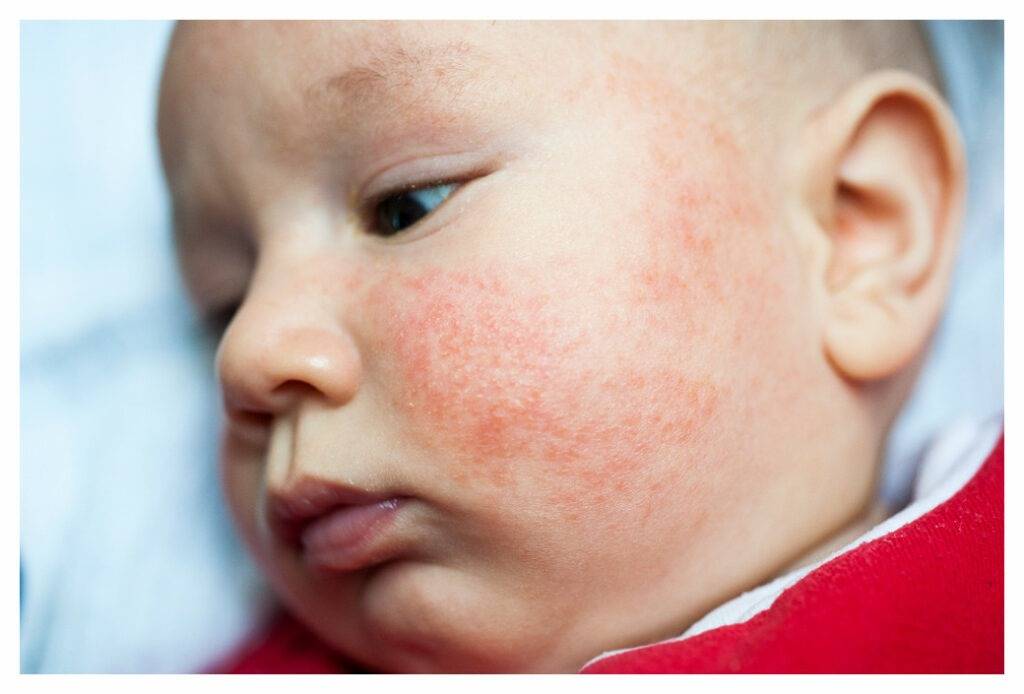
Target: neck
<point>872,516</point>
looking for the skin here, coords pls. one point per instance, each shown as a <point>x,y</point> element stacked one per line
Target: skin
<point>595,370</point>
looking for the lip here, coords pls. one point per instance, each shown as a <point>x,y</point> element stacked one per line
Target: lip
<point>349,537</point>
<point>337,527</point>
<point>291,510</point>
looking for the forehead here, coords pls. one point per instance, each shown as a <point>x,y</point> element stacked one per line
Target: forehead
<point>282,66</point>
<point>338,65</point>
<point>306,59</point>
<point>238,95</point>
<point>282,88</point>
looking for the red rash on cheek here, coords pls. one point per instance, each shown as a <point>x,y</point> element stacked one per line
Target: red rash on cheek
<point>510,389</point>
<point>707,259</point>
<point>698,193</point>
<point>519,378</point>
<point>473,362</point>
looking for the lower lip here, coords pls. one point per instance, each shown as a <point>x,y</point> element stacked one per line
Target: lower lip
<point>343,540</point>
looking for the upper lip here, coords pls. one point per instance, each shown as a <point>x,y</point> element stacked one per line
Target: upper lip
<point>291,509</point>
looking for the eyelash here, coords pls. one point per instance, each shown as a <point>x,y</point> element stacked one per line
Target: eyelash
<point>374,209</point>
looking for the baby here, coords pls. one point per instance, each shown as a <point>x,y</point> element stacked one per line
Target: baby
<point>543,339</point>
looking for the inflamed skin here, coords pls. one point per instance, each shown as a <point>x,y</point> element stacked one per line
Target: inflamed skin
<point>545,338</point>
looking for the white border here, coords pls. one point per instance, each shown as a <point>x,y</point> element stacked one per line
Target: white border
<point>977,9</point>
<point>533,9</point>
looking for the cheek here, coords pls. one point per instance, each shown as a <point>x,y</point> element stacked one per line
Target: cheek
<point>518,385</point>
<point>474,363</point>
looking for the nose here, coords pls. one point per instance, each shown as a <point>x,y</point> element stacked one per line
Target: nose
<point>283,346</point>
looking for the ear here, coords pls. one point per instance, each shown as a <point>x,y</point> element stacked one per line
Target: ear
<point>881,185</point>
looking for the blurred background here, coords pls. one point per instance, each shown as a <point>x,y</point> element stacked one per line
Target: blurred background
<point>128,560</point>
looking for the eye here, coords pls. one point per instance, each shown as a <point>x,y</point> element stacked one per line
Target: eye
<point>400,211</point>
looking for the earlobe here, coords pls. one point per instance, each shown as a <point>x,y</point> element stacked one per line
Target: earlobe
<point>884,187</point>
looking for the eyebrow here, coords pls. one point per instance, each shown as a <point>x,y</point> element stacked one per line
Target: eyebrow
<point>446,67</point>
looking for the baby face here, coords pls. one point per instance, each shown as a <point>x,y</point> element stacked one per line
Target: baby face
<point>517,295</point>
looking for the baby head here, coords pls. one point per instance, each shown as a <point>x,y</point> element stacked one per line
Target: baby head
<point>541,339</point>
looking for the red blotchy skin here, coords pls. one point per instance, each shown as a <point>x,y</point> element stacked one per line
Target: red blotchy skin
<point>494,374</point>
<point>592,403</point>
<point>699,194</point>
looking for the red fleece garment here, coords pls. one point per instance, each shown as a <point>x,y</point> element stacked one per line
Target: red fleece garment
<point>925,598</point>
<point>285,647</point>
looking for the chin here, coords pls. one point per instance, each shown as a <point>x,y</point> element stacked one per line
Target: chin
<point>422,618</point>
